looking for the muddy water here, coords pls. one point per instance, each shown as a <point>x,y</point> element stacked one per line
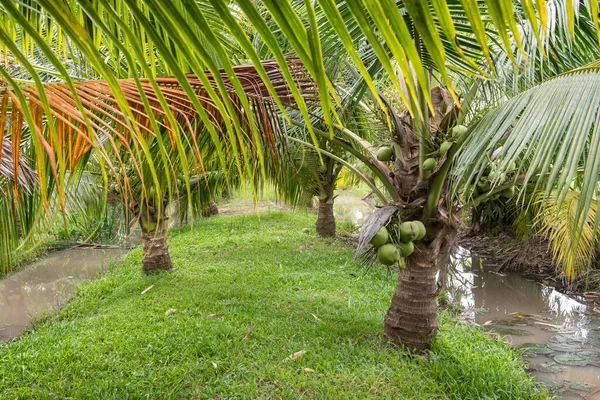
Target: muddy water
<point>46,284</point>
<point>348,206</point>
<point>560,334</point>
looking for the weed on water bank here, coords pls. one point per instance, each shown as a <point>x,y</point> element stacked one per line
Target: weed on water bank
<point>255,308</point>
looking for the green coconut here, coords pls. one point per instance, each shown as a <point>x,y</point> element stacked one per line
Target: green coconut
<point>459,130</point>
<point>483,185</point>
<point>381,237</point>
<point>510,192</point>
<point>444,147</point>
<point>512,166</point>
<point>422,230</point>
<point>384,153</point>
<point>151,192</point>
<point>406,249</point>
<point>409,231</point>
<point>388,254</point>
<point>429,164</point>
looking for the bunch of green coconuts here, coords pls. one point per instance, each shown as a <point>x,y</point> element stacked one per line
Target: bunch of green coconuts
<point>385,153</point>
<point>495,175</point>
<point>389,253</point>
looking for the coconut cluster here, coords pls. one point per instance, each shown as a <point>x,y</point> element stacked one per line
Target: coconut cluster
<point>456,132</point>
<point>496,174</point>
<point>389,253</point>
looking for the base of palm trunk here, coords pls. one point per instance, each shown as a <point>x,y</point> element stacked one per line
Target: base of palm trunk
<point>210,209</point>
<point>412,318</point>
<point>325,225</point>
<point>156,252</point>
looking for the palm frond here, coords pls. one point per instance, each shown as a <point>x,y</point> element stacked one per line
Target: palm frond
<point>558,221</point>
<point>72,137</point>
<point>551,133</point>
<point>15,168</point>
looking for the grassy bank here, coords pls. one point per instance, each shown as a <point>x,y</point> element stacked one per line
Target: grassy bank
<point>245,295</point>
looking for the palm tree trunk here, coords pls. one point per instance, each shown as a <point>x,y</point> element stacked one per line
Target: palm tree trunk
<point>154,225</point>
<point>325,225</point>
<point>326,219</point>
<point>18,224</point>
<point>412,318</point>
<point>210,209</point>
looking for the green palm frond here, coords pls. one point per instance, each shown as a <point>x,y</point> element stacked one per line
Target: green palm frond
<point>551,132</point>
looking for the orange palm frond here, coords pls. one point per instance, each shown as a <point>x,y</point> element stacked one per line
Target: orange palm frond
<point>75,130</point>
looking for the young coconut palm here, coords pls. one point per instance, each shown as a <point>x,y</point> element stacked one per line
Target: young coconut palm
<point>17,187</point>
<point>436,40</point>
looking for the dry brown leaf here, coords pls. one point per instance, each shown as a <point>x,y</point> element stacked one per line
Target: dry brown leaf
<point>297,354</point>
<point>147,289</point>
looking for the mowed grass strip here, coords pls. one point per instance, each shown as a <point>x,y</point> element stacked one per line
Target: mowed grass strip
<point>255,308</point>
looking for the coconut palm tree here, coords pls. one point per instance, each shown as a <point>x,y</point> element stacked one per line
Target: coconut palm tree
<point>148,174</point>
<point>449,42</point>
<point>545,128</point>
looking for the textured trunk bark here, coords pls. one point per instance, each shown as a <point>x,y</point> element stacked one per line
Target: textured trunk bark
<point>412,319</point>
<point>18,224</point>
<point>325,225</point>
<point>210,209</point>
<point>326,219</point>
<point>154,236</point>
<point>476,220</point>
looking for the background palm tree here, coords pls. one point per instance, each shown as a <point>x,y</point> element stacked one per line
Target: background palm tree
<point>168,148</point>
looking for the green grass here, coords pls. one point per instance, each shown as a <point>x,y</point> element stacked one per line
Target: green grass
<point>245,295</point>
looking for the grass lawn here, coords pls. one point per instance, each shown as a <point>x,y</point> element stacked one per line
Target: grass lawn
<point>246,294</point>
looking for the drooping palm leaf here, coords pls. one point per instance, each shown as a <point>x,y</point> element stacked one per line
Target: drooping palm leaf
<point>552,133</point>
<point>110,124</point>
<point>557,222</point>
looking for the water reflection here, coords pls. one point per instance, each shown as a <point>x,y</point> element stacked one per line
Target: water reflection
<point>523,311</point>
<point>349,206</point>
<point>46,284</point>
